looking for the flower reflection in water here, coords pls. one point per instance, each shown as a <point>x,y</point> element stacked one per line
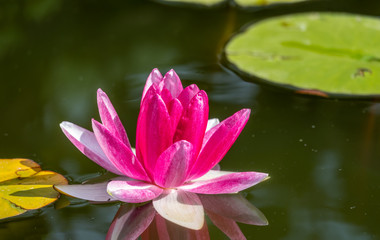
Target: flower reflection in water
<point>223,210</point>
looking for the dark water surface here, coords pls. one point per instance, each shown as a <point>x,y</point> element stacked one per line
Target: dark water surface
<point>323,156</point>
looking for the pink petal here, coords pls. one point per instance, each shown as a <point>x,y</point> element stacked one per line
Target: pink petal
<point>118,153</point>
<point>227,225</point>
<point>91,192</point>
<point>217,142</point>
<point>180,207</point>
<point>110,119</point>
<point>233,206</point>
<point>154,131</point>
<point>86,142</point>
<point>172,82</point>
<point>187,94</point>
<point>219,182</point>
<point>154,79</point>
<point>193,123</point>
<point>175,111</point>
<point>131,221</point>
<point>166,96</point>
<point>133,191</point>
<point>173,164</point>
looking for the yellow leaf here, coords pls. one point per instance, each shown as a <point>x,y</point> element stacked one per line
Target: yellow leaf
<point>17,167</point>
<point>23,186</point>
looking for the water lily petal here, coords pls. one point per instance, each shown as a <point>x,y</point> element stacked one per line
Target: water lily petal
<point>110,119</point>
<point>233,206</point>
<point>218,141</point>
<point>86,142</point>
<point>154,131</point>
<point>166,96</point>
<point>173,164</point>
<point>180,207</point>
<point>227,225</point>
<point>193,122</point>
<point>212,123</point>
<point>187,94</point>
<point>133,191</point>
<point>130,222</point>
<point>92,192</point>
<point>172,82</point>
<point>175,111</point>
<point>219,182</point>
<point>118,153</point>
<point>154,79</point>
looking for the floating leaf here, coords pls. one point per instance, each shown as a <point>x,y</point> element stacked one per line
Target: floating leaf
<point>199,2</point>
<point>242,3</point>
<point>251,3</point>
<point>23,186</point>
<point>315,53</point>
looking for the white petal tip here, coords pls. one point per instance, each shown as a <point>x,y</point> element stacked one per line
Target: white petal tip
<point>65,124</point>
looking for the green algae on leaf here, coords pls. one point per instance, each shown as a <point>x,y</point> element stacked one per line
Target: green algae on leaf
<point>325,53</point>
<point>23,186</point>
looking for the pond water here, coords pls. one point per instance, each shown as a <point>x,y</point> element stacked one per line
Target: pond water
<point>323,155</point>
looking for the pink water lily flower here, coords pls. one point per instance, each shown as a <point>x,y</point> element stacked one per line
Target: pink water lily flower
<point>177,148</point>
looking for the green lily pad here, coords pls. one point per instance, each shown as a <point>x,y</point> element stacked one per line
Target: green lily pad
<point>251,3</point>
<point>23,186</point>
<point>242,3</point>
<point>199,2</point>
<point>315,53</point>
